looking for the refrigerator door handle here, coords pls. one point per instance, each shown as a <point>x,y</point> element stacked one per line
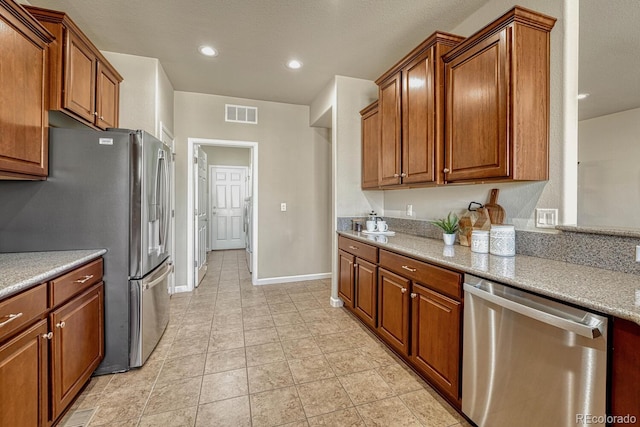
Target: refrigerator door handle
<point>159,279</point>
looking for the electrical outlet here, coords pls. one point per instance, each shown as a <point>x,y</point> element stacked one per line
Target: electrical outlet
<point>409,210</point>
<point>546,218</point>
<point>283,207</point>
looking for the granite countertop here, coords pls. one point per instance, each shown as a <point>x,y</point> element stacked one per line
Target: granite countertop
<point>608,292</point>
<point>21,270</point>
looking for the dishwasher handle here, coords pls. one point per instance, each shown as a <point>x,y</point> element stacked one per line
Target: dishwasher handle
<point>588,331</point>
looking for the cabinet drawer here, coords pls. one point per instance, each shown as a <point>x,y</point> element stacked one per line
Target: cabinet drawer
<point>76,281</point>
<point>436,278</point>
<point>20,310</point>
<point>361,250</point>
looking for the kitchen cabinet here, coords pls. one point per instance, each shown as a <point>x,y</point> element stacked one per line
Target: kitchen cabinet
<point>51,341</point>
<point>23,94</point>
<point>411,109</point>
<point>357,281</point>
<point>497,101</point>
<point>393,310</point>
<point>370,146</point>
<point>82,83</point>
<point>625,372</point>
<point>346,263</point>
<point>365,292</point>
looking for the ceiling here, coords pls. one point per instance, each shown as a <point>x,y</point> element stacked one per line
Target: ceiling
<point>354,38</point>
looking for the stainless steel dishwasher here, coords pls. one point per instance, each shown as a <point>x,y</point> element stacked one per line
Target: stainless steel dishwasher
<point>530,361</point>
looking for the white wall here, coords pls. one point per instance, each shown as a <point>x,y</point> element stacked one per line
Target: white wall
<point>520,199</point>
<point>609,170</point>
<point>294,167</point>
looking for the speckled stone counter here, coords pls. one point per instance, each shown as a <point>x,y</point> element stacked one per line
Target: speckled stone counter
<point>19,271</point>
<point>606,291</point>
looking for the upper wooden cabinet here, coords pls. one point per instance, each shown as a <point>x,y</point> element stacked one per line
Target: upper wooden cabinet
<point>497,101</point>
<point>23,94</point>
<point>370,146</point>
<point>82,82</point>
<point>411,107</point>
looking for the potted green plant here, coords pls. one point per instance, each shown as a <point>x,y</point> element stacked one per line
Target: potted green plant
<point>449,226</point>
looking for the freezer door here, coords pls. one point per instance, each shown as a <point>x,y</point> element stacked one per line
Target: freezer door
<point>150,195</point>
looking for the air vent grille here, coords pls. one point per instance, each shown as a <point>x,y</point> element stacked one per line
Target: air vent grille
<point>241,114</point>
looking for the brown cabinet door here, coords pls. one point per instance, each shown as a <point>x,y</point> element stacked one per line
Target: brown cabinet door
<point>476,111</point>
<point>393,310</point>
<point>107,98</point>
<point>435,348</point>
<point>390,127</point>
<point>365,301</point>
<point>80,78</point>
<point>24,378</point>
<point>346,278</point>
<point>370,146</point>
<point>77,345</point>
<point>625,371</point>
<point>418,119</point>
<point>23,117</point>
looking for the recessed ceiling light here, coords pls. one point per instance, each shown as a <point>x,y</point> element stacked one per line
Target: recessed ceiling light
<point>582,95</point>
<point>294,64</point>
<point>208,51</point>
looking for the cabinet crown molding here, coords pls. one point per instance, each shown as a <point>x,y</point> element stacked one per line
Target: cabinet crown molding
<point>23,16</point>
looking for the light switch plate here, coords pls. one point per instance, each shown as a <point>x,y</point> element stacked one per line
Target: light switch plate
<point>546,218</point>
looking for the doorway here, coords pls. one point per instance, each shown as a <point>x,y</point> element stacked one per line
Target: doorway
<point>252,187</point>
<point>227,193</point>
<point>201,214</point>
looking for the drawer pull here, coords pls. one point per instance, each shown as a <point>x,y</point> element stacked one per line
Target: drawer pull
<point>403,290</point>
<point>60,325</point>
<point>413,295</point>
<point>406,267</point>
<point>355,248</point>
<point>84,279</point>
<point>47,336</point>
<point>11,318</point>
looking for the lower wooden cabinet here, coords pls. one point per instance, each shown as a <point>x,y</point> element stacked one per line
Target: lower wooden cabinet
<point>435,341</point>
<point>77,345</point>
<point>365,292</point>
<point>24,362</point>
<point>625,370</point>
<point>393,310</point>
<point>346,264</point>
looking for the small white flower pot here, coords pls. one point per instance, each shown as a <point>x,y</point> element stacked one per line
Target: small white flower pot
<point>449,239</point>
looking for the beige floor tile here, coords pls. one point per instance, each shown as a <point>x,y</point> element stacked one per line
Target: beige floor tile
<point>400,378</point>
<point>109,412</point>
<point>388,412</point>
<point>185,417</point>
<point>133,422</point>
<point>142,377</point>
<point>316,315</point>
<point>348,362</point>
<point>365,386</point>
<point>225,360</point>
<point>324,396</point>
<point>275,407</point>
<point>269,376</point>
<point>335,342</point>
<point>309,369</point>
<point>325,327</point>
<point>287,318</point>
<point>181,367</point>
<point>293,332</point>
<point>176,395</point>
<point>283,307</point>
<point>257,310</point>
<point>377,355</point>
<point>307,304</point>
<point>225,340</point>
<point>344,418</point>
<point>231,412</point>
<point>261,336</point>
<point>264,353</point>
<point>430,409</point>
<point>298,349</point>
<point>188,347</point>
<point>223,385</point>
<point>98,384</point>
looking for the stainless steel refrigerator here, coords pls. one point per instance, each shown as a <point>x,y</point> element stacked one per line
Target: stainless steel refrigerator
<point>105,190</point>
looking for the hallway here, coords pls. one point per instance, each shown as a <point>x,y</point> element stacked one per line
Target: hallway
<point>239,355</point>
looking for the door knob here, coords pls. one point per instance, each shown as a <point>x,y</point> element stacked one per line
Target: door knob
<point>403,290</point>
<point>413,295</point>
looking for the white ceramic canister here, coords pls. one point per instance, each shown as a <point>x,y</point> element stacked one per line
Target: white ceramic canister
<point>480,241</point>
<point>502,240</point>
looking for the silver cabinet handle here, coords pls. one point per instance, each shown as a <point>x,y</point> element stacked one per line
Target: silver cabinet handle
<point>413,295</point>
<point>403,175</point>
<point>395,175</point>
<point>95,113</point>
<point>84,279</point>
<point>588,331</point>
<point>355,265</point>
<point>47,336</point>
<point>10,318</point>
<point>406,267</point>
<point>355,248</point>
<point>403,290</point>
<point>101,117</point>
<point>60,325</point>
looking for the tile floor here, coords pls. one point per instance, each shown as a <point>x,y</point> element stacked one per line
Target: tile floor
<point>239,355</point>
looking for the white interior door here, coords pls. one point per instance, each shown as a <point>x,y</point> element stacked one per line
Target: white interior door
<point>168,139</point>
<point>228,189</point>
<point>200,214</point>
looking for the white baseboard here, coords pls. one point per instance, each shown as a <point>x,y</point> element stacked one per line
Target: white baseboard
<point>289,279</point>
<point>336,302</point>
<point>183,288</point>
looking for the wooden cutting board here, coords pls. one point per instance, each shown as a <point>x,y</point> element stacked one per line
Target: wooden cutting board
<point>496,212</point>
